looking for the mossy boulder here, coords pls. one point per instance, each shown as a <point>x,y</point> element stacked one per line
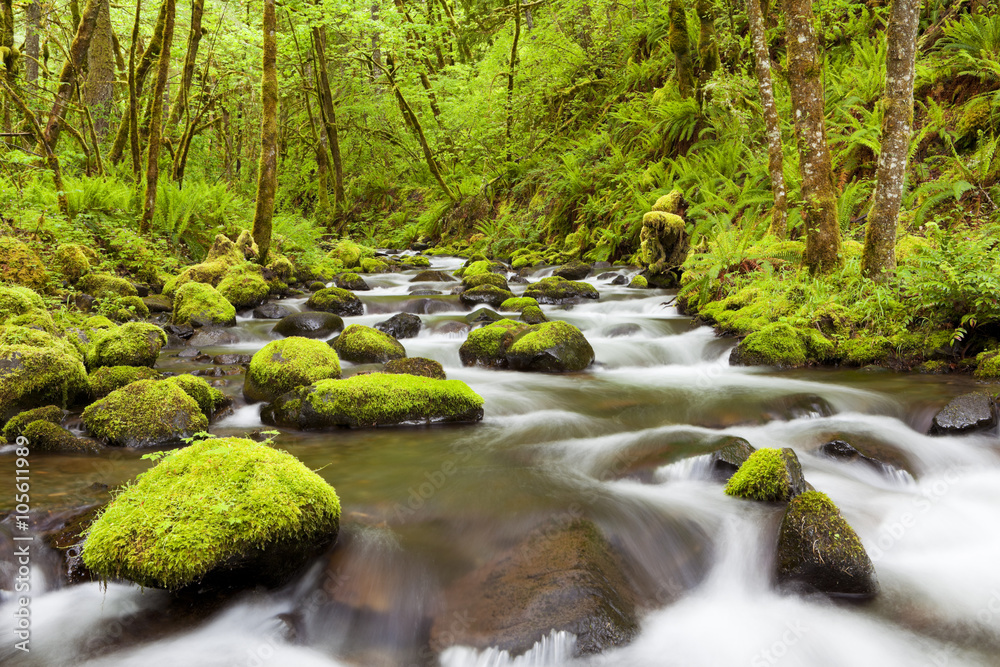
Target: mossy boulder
<point>777,344</point>
<point>336,300</point>
<point>71,261</point>
<point>988,365</point>
<point>208,398</point>
<point>18,300</point>
<point>224,255</point>
<point>200,304</point>
<point>768,474</point>
<point>365,345</point>
<point>244,287</point>
<point>663,241</point>
<point>481,266</point>
<point>20,265</point>
<point>107,379</point>
<point>377,265</point>
<point>533,315</point>
<point>552,347</point>
<point>639,282</point>
<point>350,253</point>
<point>146,413</point>
<point>44,436</point>
<point>16,425</point>
<point>401,325</point>
<point>223,512</point>
<point>283,365</point>
<point>487,346</point>
<point>281,267</point>
<point>129,308</point>
<point>351,281</point>
<point>485,295</point>
<point>309,325</point>
<point>416,366</point>
<point>34,376</point>
<point>480,279</point>
<point>105,285</point>
<point>375,399</point>
<point>518,304</point>
<point>556,290</point>
<point>131,344</point>
<point>575,270</point>
<point>819,551</point>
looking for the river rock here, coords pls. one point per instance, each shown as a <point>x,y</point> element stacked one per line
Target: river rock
<point>146,413</point>
<point>432,277</point>
<point>416,290</point>
<point>561,577</point>
<point>556,290</point>
<point>283,365</point>
<point>200,305</point>
<point>309,325</point>
<point>336,300</point>
<point>31,377</point>
<point>429,306</point>
<point>364,345</point>
<point>619,280</point>
<point>620,330</point>
<point>726,460</point>
<point>416,366</point>
<point>401,325</point>
<point>844,451</point>
<point>158,303</point>
<point>488,295</point>
<point>768,474</point>
<point>480,279</point>
<point>231,359</point>
<point>968,413</point>
<point>575,270</point>
<point>212,336</point>
<point>271,311</point>
<point>552,347</point>
<point>533,315</point>
<point>819,551</point>
<point>15,425</point>
<point>107,379</point>
<point>131,344</point>
<point>244,286</point>
<point>351,281</point>
<point>483,316</point>
<point>46,437</point>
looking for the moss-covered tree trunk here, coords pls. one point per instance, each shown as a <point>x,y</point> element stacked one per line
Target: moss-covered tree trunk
<point>819,199</point>
<point>267,171</point>
<point>100,84</point>
<point>708,47</point>
<point>155,118</point>
<point>772,123</point>
<point>511,72</point>
<point>878,260</point>
<point>328,112</point>
<point>194,40</point>
<point>680,45</point>
<point>71,71</point>
<point>133,100</point>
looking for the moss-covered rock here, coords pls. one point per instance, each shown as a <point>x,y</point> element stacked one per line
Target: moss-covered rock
<point>309,325</point>
<point>35,376</point>
<point>18,300</point>
<point>131,344</point>
<point>244,286</point>
<point>375,399</point>
<point>376,265</point>
<point>487,346</point>
<point>224,255</point>
<point>146,413</point>
<point>71,261</point>
<point>416,366</point>
<point>350,253</point>
<point>208,398</point>
<point>336,300</point>
<point>107,379</point>
<point>127,309</point>
<point>552,347</point>
<point>485,295</point>
<point>351,281</point>
<point>283,365</point>
<point>556,290</point>
<point>200,304</point>
<point>639,282</point>
<point>45,436</point>
<point>481,266</point>
<point>988,365</point>
<point>480,279</point>
<point>281,268</point>
<point>35,319</point>
<point>16,425</point>
<point>776,344</point>
<point>104,285</point>
<point>575,270</point>
<point>518,304</point>
<point>224,511</point>
<point>533,315</point>
<point>768,474</point>
<point>819,551</point>
<point>365,345</point>
<point>20,265</point>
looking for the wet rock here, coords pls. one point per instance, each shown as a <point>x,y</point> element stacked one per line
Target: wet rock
<point>16,425</point>
<point>488,295</point>
<point>46,437</point>
<point>533,315</point>
<point>518,280</point>
<point>283,365</point>
<point>619,280</point>
<point>336,300</point>
<point>432,277</point>
<point>182,331</point>
<point>429,306</point>
<point>106,379</point>
<point>244,286</point>
<point>309,325</point>
<point>819,551</point>
<point>401,325</point>
<point>483,316</point>
<point>229,359</point>
<point>770,475</point>
<point>575,270</point>
<point>561,577</point>
<point>619,330</point>
<point>158,303</point>
<point>796,406</point>
<point>210,401</point>
<point>351,281</point>
<point>884,455</point>
<point>145,413</point>
<point>419,246</point>
<point>452,328</point>
<point>419,291</point>
<point>480,279</point>
<point>416,366</point>
<point>968,413</point>
<point>365,345</point>
<point>556,290</point>
<point>271,311</point>
<point>726,460</point>
<point>211,336</point>
<point>31,377</point>
<point>189,353</point>
<point>552,347</point>
<point>63,531</point>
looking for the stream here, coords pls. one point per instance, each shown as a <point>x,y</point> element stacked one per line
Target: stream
<point>622,444</point>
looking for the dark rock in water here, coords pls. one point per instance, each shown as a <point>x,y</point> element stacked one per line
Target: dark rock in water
<point>556,290</point>
<point>420,291</point>
<point>796,406</point>
<point>433,277</point>
<point>271,311</point>
<point>452,328</point>
<point>518,280</point>
<point>968,413</point>
<point>401,325</point>
<point>728,458</point>
<point>883,456</point>
<point>608,275</point>
<point>844,451</point>
<point>667,280</point>
<point>209,336</point>
<point>575,270</point>
<point>416,366</point>
<point>336,300</point>
<point>483,315</point>
<point>619,280</point>
<point>429,306</point>
<point>770,475</point>
<point>626,329</point>
<point>228,359</point>
<point>204,358</point>
<point>488,295</point>
<point>819,551</point>
<point>183,331</point>
<point>189,353</point>
<point>159,303</point>
<point>309,325</point>
<point>561,577</point>
<point>141,290</point>
<point>418,246</point>
<point>351,281</point>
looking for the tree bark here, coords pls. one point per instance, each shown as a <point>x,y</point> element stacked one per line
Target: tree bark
<point>329,114</point>
<point>33,16</point>
<point>511,71</point>
<point>772,123</point>
<point>132,126</point>
<point>878,261</point>
<point>194,39</point>
<point>71,70</point>
<point>680,45</point>
<point>708,47</point>
<point>819,200</point>
<point>267,172</point>
<point>100,83</point>
<point>155,118</point>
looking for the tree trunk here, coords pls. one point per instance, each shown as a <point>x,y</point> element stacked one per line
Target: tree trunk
<point>100,86</point>
<point>33,15</point>
<point>819,200</point>
<point>70,71</point>
<point>511,70</point>
<point>132,127</point>
<point>878,260</point>
<point>708,47</point>
<point>329,114</point>
<point>680,45</point>
<point>772,123</point>
<point>155,118</point>
<point>267,173</point>
<point>194,39</point>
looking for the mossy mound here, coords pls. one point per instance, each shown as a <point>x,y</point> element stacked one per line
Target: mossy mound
<point>819,551</point>
<point>281,267</point>
<point>146,413</point>
<point>552,347</point>
<point>208,398</point>
<point>71,261</point>
<point>20,265</point>
<point>16,425</point>
<point>199,304</point>
<point>639,282</point>
<point>776,344</point>
<point>481,266</point>
<point>13,334</point>
<point>350,253</point>
<point>533,315</point>
<point>487,346</point>
<point>224,510</point>
<point>222,256</point>
<point>377,265</point>
<point>309,325</point>
<point>129,308</point>
<point>351,281</point>
<point>104,285</point>
<point>485,295</point>
<point>107,379</point>
<point>44,436</point>
<point>556,290</point>
<point>18,300</point>
<point>768,474</point>
<point>336,300</point>
<point>480,279</point>
<point>35,319</point>
<point>283,365</point>
<point>131,344</point>
<point>416,366</point>
<point>988,365</point>
<point>35,376</point>
<point>575,270</point>
<point>375,399</point>
<point>518,304</point>
<point>366,345</point>
<point>244,287</point>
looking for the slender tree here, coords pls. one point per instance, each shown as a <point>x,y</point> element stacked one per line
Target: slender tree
<point>328,112</point>
<point>511,71</point>
<point>180,107</point>
<point>155,118</point>
<point>71,71</point>
<point>33,16</point>
<point>878,261</point>
<point>133,100</point>
<point>267,172</point>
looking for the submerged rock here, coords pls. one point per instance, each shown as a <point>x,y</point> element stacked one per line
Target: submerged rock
<point>336,300</point>
<point>556,290</point>
<point>365,345</point>
<point>223,512</point>
<point>768,474</point>
<point>401,325</point>
<point>283,365</point>
<point>968,413</point>
<point>309,325</point>
<point>146,413</point>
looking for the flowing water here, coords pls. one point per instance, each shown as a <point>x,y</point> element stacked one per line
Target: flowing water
<point>622,444</point>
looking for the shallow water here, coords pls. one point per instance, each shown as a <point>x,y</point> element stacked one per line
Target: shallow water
<point>424,506</point>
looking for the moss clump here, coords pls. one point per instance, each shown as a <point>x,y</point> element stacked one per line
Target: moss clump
<point>222,256</point>
<point>350,253</point>
<point>132,344</point>
<point>36,376</point>
<point>552,347</point>
<point>769,474</point>
<point>336,300</point>
<point>375,399</point>
<point>104,285</point>
<point>36,319</point>
<point>208,398</point>
<point>45,436</point>
<point>556,290</point>
<point>488,345</point>
<point>416,366</point>
<point>668,203</point>
<point>416,261</point>
<point>866,349</point>
<point>375,265</point>
<point>365,345</point>
<point>208,507</point>
<point>281,267</point>
<point>126,308</point>
<point>480,279</point>
<point>518,304</point>
<point>107,379</point>
<point>199,304</point>
<point>146,413</point>
<point>17,423</point>
<point>533,315</point>
<point>639,282</point>
<point>11,334</point>
<point>71,261</point>
<point>524,261</point>
<point>479,267</point>
<point>988,365</point>
<point>244,287</point>
<point>776,344</point>
<point>20,265</point>
<point>283,365</point>
<point>18,300</point>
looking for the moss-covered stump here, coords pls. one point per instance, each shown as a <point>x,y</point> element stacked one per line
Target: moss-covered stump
<point>401,325</point>
<point>768,474</point>
<point>552,347</point>
<point>71,261</point>
<point>375,399</point>
<point>222,512</point>
<point>488,345</point>
<point>561,577</point>
<point>20,265</point>
<point>533,315</point>
<point>485,295</point>
<point>201,305</point>
<point>421,366</point>
<point>16,425</point>
<point>819,551</point>
<point>777,344</point>
<point>351,281</point>
<point>556,290</point>
<point>309,325</point>
<point>283,365</point>
<point>209,399</point>
<point>518,304</point>
<point>336,300</point>
<point>35,376</point>
<point>365,345</point>
<point>106,379</point>
<point>44,436</point>
<point>432,277</point>
<point>480,279</point>
<point>244,286</point>
<point>968,413</point>
<point>146,413</point>
<point>131,344</point>
<point>18,300</point>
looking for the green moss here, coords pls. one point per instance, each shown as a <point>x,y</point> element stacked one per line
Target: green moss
<point>145,413</point>
<point>134,254</point>
<point>533,315</point>
<point>480,267</point>
<point>776,344</point>
<point>909,248</point>
<point>336,300</point>
<point>550,347</point>
<point>485,294</point>
<point>132,344</point>
<point>244,287</point>
<point>46,436</point>
<point>988,365</point>
<point>208,398</point>
<point>416,261</point>
<point>559,290</point>
<point>199,303</point>
<point>38,376</point>
<point>639,282</point>
<point>20,265</point>
<point>480,279</point>
<point>818,346</point>
<point>814,530</point>
<point>103,285</point>
<point>107,379</point>
<point>668,203</point>
<point>35,319</point>
<point>284,364</point>
<point>518,304</point>
<point>350,253</point>
<point>525,261</point>
<point>17,423</point>
<point>416,366</point>
<point>763,476</point>
<point>210,273</point>
<point>487,346</point>
<point>281,267</point>
<point>866,349</point>
<point>375,265</point>
<point>364,345</point>
<point>18,300</point>
<point>71,261</point>
<point>206,505</point>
